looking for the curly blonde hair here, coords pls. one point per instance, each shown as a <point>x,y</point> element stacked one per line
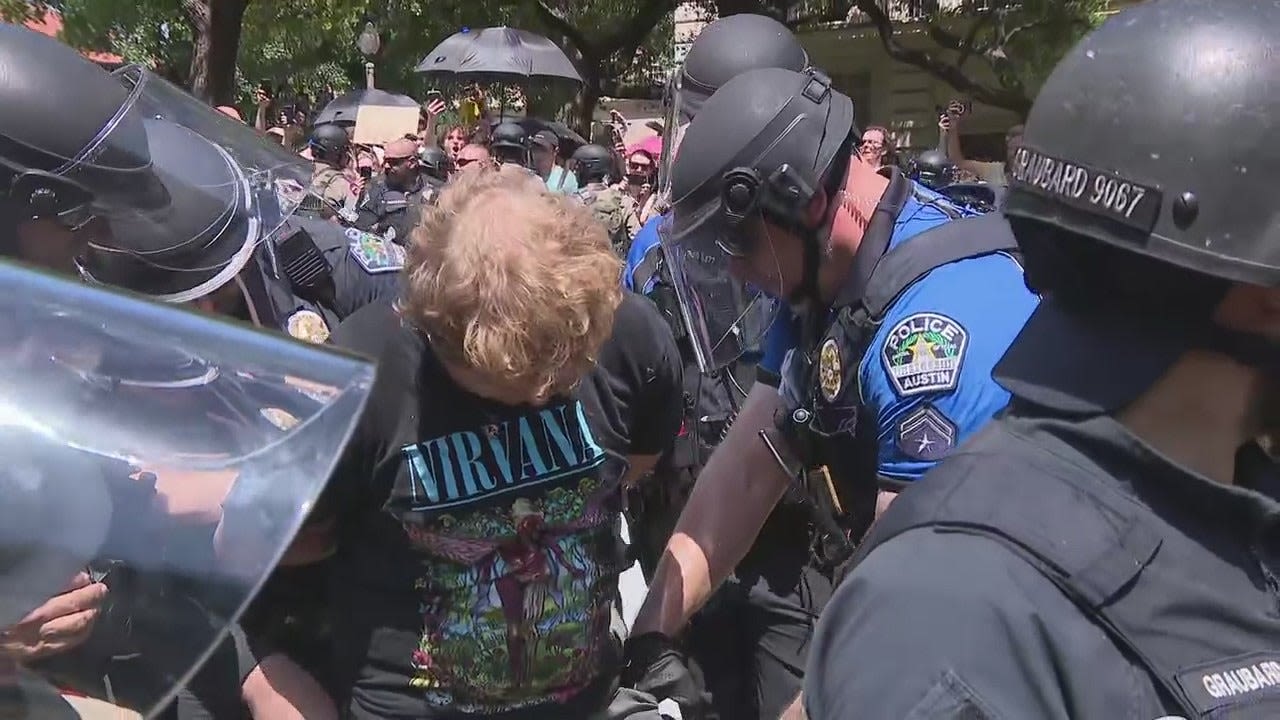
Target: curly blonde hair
<point>512,281</point>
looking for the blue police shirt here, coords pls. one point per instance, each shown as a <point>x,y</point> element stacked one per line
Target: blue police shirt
<point>967,312</point>
<point>644,241</point>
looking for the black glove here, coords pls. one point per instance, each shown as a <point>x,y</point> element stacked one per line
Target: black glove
<point>653,664</point>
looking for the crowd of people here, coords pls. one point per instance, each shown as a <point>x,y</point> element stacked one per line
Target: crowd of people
<point>883,449</point>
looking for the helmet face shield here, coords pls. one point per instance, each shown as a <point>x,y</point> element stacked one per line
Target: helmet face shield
<point>725,317</point>
<point>198,193</point>
<point>675,120</point>
<point>166,453</point>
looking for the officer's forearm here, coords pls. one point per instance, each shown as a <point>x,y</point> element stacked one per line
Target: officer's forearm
<point>733,496</point>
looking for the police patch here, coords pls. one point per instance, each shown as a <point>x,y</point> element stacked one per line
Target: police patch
<point>375,254</point>
<point>925,434</point>
<point>309,326</point>
<point>923,353</point>
<point>830,371</point>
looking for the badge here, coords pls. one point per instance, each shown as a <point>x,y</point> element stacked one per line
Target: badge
<point>925,434</point>
<point>923,353</point>
<point>309,326</point>
<point>375,254</point>
<point>281,419</point>
<point>830,371</point>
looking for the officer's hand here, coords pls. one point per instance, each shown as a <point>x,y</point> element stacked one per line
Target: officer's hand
<point>653,664</point>
<point>59,625</point>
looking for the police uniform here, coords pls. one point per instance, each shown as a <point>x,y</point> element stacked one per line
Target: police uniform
<point>1081,557</point>
<point>913,374</point>
<point>1039,573</point>
<point>319,272</point>
<point>394,213</point>
<point>615,210</point>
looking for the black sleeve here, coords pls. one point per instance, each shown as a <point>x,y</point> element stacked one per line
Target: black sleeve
<point>368,332</point>
<point>355,287</point>
<point>645,349</point>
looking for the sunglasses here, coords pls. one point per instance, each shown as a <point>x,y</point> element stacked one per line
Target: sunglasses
<point>463,162</point>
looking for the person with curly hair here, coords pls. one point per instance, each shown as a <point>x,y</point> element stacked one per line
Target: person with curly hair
<point>477,509</point>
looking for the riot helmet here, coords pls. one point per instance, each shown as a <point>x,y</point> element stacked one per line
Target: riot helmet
<point>1135,194</point>
<point>592,164</point>
<point>768,142</point>
<point>509,143</point>
<point>131,181</point>
<point>933,169</point>
<point>329,142</point>
<point>722,50</point>
<point>435,163</point>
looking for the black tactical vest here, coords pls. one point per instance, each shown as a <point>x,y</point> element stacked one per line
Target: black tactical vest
<point>838,430</point>
<point>1206,628</point>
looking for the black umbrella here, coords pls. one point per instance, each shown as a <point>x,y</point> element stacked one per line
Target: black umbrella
<point>498,54</point>
<point>344,108</point>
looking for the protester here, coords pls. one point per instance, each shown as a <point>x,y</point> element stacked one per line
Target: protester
<point>875,148</point>
<point>610,205</point>
<point>455,138</point>
<point>472,155</point>
<point>951,125</point>
<point>478,556</point>
<point>544,148</point>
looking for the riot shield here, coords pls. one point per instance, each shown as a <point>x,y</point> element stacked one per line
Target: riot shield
<point>169,455</point>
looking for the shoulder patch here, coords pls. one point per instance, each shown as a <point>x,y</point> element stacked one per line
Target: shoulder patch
<point>925,434</point>
<point>308,325</point>
<point>923,353</point>
<point>375,254</point>
<point>830,370</point>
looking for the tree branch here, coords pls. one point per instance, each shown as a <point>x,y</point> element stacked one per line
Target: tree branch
<point>1010,99</point>
<point>633,31</point>
<point>558,22</point>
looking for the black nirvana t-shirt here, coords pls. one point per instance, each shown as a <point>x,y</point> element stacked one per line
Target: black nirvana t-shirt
<point>478,542</point>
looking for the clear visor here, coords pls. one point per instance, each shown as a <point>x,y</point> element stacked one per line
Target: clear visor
<point>674,123</point>
<point>726,318</point>
<point>172,195</point>
<point>169,455</point>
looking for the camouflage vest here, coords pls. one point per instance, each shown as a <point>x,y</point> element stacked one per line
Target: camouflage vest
<point>611,208</point>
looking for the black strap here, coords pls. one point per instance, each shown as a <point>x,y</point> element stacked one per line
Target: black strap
<point>647,269</point>
<point>902,266</point>
<point>875,239</point>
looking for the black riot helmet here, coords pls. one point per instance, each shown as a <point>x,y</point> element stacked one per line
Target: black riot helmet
<point>329,142</point>
<point>146,187</point>
<point>722,50</point>
<point>729,47</point>
<point>1137,144</point>
<point>435,162</point>
<point>509,143</point>
<point>592,163</point>
<point>767,143</point>
<point>932,169</point>
<point>1136,199</point>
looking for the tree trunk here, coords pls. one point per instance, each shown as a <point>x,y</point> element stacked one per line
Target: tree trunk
<point>584,105</point>
<point>215,28</point>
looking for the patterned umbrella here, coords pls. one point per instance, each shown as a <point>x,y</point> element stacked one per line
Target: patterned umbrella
<point>497,54</point>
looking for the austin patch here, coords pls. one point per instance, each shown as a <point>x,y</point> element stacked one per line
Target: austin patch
<point>830,370</point>
<point>308,325</point>
<point>375,254</point>
<point>923,353</point>
<point>925,434</point>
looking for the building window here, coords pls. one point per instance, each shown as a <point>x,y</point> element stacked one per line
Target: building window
<point>858,87</point>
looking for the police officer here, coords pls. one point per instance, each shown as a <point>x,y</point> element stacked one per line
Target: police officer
<point>889,368</point>
<point>143,187</point>
<point>592,164</point>
<point>1100,551</point>
<point>749,642</point>
<point>392,206</point>
<point>331,151</point>
<point>932,169</point>
<point>509,144</point>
